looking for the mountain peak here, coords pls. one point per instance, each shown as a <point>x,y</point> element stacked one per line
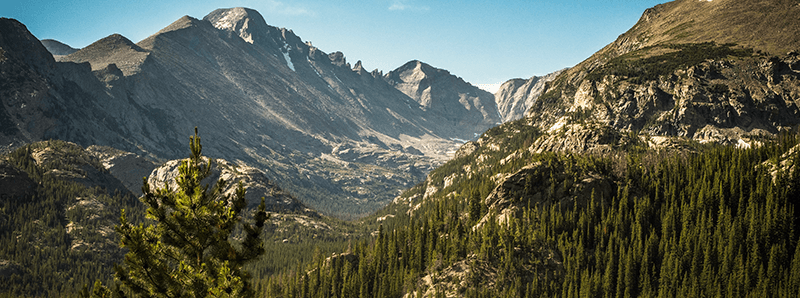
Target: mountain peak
<point>438,90</point>
<point>113,49</point>
<point>113,40</point>
<point>419,66</point>
<point>245,22</point>
<point>414,71</point>
<point>16,42</point>
<point>768,26</point>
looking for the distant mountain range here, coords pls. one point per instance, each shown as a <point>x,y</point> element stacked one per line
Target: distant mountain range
<point>344,139</point>
<point>664,164</point>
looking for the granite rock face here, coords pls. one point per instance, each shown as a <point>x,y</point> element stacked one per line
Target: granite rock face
<point>256,185</point>
<point>128,167</point>
<point>516,96</point>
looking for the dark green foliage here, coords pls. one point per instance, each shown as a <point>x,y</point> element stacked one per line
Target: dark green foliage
<point>719,222</point>
<point>719,89</point>
<point>714,223</point>
<point>189,250</point>
<point>55,266</point>
<point>38,254</point>
<point>639,69</point>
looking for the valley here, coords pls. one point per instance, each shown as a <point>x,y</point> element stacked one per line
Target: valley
<point>662,165</point>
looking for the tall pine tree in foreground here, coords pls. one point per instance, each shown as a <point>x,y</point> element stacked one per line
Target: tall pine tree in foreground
<point>187,249</point>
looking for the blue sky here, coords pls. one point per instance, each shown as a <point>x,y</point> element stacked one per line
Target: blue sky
<point>480,41</point>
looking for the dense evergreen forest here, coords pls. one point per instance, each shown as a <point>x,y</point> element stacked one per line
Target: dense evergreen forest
<point>706,220</point>
<point>713,221</point>
<point>59,238</point>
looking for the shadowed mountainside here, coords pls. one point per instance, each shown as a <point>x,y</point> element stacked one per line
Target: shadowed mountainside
<point>334,134</point>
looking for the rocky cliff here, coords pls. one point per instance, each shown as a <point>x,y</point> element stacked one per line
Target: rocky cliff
<point>256,184</point>
<point>516,96</point>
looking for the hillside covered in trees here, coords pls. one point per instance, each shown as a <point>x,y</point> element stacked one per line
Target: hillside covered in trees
<point>706,220</point>
<point>664,165</point>
<point>56,220</point>
<point>716,221</point>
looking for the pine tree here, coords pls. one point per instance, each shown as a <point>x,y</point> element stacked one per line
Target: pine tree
<point>187,250</point>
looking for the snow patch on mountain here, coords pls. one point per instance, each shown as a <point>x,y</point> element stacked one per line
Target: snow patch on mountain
<point>288,60</point>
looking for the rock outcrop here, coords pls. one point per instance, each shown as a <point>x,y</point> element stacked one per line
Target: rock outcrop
<point>256,185</point>
<point>69,161</point>
<point>541,185</point>
<point>516,96</point>
<point>128,167</point>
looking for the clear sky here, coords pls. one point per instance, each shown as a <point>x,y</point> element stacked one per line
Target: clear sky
<point>481,41</point>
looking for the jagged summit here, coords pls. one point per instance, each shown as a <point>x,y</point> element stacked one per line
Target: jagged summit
<point>113,49</point>
<point>181,23</point>
<point>414,70</point>
<point>245,22</point>
<point>441,92</point>
<point>414,79</point>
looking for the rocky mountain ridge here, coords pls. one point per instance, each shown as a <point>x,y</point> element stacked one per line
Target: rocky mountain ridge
<point>516,96</point>
<point>678,72</point>
<point>645,91</point>
<point>437,91</point>
<point>259,93</point>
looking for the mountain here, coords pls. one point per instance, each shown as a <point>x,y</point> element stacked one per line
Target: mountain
<point>663,165</point>
<point>706,70</point>
<point>439,92</point>
<point>40,97</point>
<point>57,48</point>
<point>516,96</point>
<point>343,139</point>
